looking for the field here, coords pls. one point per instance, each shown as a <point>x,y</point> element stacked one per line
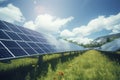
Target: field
<point>84,65</point>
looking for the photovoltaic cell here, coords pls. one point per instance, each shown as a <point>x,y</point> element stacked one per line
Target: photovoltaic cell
<point>24,37</point>
<point>43,47</point>
<point>13,35</point>
<point>3,52</point>
<point>27,48</point>
<point>3,26</point>
<point>41,40</point>
<point>50,47</point>
<point>13,27</point>
<point>35,47</point>
<point>24,30</point>
<point>33,38</point>
<point>3,35</point>
<point>14,48</point>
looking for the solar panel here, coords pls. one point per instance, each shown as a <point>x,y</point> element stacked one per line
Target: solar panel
<point>3,35</point>
<point>37,48</point>
<point>3,26</point>
<point>17,41</point>
<point>13,35</point>
<point>33,38</point>
<point>14,48</point>
<point>12,27</point>
<point>4,53</point>
<point>24,37</point>
<point>27,48</point>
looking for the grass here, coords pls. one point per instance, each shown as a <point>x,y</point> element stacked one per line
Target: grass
<point>13,64</point>
<point>89,65</point>
<point>16,63</point>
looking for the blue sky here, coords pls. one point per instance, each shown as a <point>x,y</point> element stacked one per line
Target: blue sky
<point>77,20</point>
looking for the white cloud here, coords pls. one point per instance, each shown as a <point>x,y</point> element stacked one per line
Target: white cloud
<point>111,23</point>
<point>62,45</point>
<point>30,25</point>
<point>48,23</point>
<point>11,13</point>
<point>66,33</point>
<point>80,40</point>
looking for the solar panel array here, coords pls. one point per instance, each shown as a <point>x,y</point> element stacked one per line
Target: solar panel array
<point>17,41</point>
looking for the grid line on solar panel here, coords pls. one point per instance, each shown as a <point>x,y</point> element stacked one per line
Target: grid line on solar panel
<point>49,47</point>
<point>43,47</point>
<point>33,38</point>
<point>24,37</point>
<point>35,47</point>
<point>13,35</point>
<point>3,26</point>
<point>24,30</point>
<point>14,48</point>
<point>42,40</point>
<point>3,35</point>
<point>4,53</point>
<point>34,33</point>
<point>26,47</point>
<point>12,27</point>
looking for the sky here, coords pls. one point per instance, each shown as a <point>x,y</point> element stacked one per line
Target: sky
<point>77,20</point>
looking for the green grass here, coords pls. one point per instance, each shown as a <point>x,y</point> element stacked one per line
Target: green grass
<point>16,63</point>
<point>92,65</point>
<point>21,62</point>
<point>89,65</point>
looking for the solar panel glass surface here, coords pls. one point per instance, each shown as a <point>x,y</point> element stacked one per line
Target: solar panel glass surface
<point>14,48</point>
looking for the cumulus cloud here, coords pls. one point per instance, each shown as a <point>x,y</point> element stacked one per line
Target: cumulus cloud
<point>11,13</point>
<point>66,33</point>
<point>62,45</point>
<point>108,23</point>
<point>80,40</point>
<point>48,23</point>
<point>30,25</point>
<point>111,23</point>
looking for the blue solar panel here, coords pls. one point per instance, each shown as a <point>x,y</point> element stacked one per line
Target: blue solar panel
<point>27,48</point>
<point>14,48</point>
<point>24,30</point>
<point>4,52</point>
<point>13,35</point>
<point>3,26</point>
<point>35,47</point>
<point>17,41</point>
<point>13,27</point>
<point>33,38</point>
<point>24,37</point>
<point>3,35</point>
<point>43,47</point>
